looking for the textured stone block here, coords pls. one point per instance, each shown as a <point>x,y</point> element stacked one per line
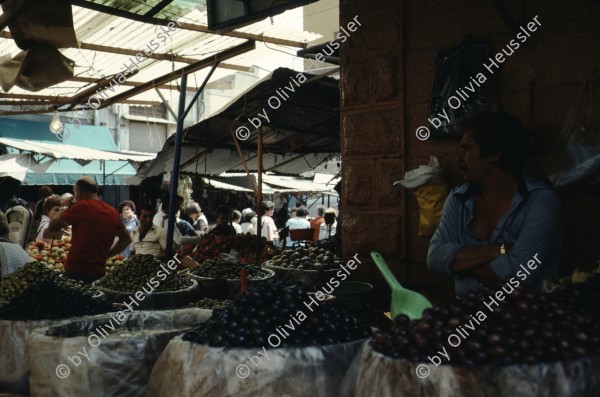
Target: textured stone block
<point>373,132</point>
<point>358,183</point>
<point>381,25</point>
<point>363,233</point>
<point>387,172</point>
<point>385,79</point>
<point>355,90</point>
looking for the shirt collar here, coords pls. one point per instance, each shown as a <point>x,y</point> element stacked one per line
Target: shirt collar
<point>526,185</point>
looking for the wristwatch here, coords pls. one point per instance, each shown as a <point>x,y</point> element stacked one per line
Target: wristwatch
<point>502,249</point>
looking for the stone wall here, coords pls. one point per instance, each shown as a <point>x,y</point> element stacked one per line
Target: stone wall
<point>386,80</point>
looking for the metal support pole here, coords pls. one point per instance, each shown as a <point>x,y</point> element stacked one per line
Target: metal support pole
<point>175,173</point>
<point>259,247</point>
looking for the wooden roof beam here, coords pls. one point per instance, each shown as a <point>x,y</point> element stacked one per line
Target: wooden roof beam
<point>229,53</point>
<point>164,57</point>
<point>183,25</point>
<point>212,85</point>
<point>40,111</point>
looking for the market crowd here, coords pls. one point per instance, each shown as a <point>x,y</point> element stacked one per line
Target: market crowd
<point>98,231</point>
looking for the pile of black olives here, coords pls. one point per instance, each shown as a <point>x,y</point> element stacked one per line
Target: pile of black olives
<point>525,327</point>
<point>227,270</point>
<point>208,303</point>
<point>143,271</point>
<point>274,315</point>
<point>54,299</point>
<point>584,296</point>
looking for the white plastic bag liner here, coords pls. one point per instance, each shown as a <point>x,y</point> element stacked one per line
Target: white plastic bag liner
<point>190,369</point>
<point>14,364</point>
<point>421,175</point>
<point>373,374</point>
<point>118,366</point>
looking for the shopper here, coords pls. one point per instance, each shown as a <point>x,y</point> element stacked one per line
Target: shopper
<point>51,207</point>
<point>249,224</point>
<point>317,221</point>
<point>298,222</point>
<point>236,216</point>
<point>267,224</point>
<point>42,193</point>
<point>328,229</point>
<point>130,220</point>
<point>12,256</point>
<point>199,221</point>
<point>147,238</point>
<point>223,226</point>
<point>95,226</point>
<point>184,228</point>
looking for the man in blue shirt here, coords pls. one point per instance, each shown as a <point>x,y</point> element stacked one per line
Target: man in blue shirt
<point>501,217</point>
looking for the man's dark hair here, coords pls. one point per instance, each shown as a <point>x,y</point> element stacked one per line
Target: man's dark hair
<point>44,192</point>
<point>86,186</point>
<point>249,216</point>
<point>302,211</point>
<point>499,132</point>
<point>166,201</point>
<point>147,207</point>
<point>224,210</point>
<point>126,203</point>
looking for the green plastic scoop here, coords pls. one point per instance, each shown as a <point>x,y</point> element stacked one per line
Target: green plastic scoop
<point>404,301</point>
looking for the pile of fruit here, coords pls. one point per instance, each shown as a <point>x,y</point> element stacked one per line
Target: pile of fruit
<point>228,270</point>
<point>525,327</point>
<point>143,271</point>
<point>212,246</point>
<point>208,303</point>
<point>271,309</point>
<point>311,258</point>
<point>35,292</point>
<point>54,255</point>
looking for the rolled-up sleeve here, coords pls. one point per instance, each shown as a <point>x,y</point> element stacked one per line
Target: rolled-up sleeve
<point>445,244</point>
<point>540,236</point>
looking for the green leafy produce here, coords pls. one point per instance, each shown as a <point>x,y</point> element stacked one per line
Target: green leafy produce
<point>227,270</point>
<point>143,271</point>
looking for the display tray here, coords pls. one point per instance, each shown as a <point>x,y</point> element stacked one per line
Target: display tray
<point>155,300</point>
<point>224,288</point>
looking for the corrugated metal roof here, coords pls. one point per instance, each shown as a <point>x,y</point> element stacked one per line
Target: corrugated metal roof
<point>301,133</point>
<point>107,30</point>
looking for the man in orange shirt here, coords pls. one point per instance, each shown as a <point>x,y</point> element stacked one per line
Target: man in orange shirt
<point>95,226</point>
<point>316,222</point>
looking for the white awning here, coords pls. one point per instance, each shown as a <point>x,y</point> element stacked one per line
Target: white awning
<point>17,165</point>
<point>63,150</point>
